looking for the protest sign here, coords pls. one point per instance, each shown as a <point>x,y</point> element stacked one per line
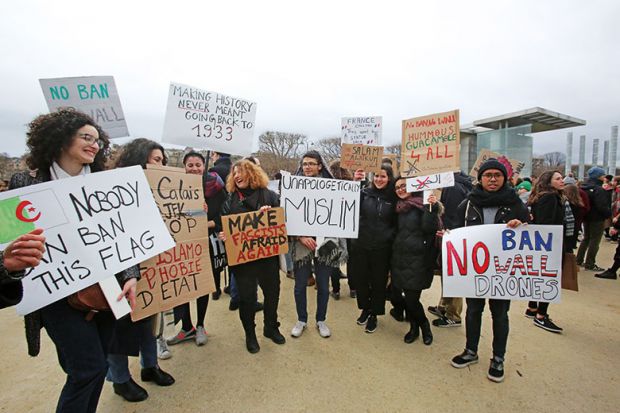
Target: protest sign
<point>184,272</point>
<point>431,144</point>
<point>364,130</point>
<point>428,182</point>
<point>254,235</point>
<point>94,227</point>
<point>494,261</point>
<point>94,95</point>
<point>320,206</point>
<point>365,157</point>
<point>509,163</point>
<point>219,253</point>
<point>209,120</point>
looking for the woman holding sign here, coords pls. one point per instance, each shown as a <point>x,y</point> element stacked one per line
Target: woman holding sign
<point>414,255</point>
<point>64,144</point>
<point>247,191</point>
<point>371,251</point>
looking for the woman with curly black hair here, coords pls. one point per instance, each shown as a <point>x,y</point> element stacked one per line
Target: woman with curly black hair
<point>63,144</point>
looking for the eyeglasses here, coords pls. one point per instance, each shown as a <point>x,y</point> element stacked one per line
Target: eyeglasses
<point>309,164</point>
<point>401,187</point>
<point>492,176</point>
<point>90,139</point>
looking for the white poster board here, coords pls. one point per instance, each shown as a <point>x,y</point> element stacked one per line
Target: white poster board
<point>94,95</point>
<point>494,261</point>
<point>108,223</point>
<point>320,207</point>
<point>209,120</point>
<point>428,182</point>
<point>364,130</point>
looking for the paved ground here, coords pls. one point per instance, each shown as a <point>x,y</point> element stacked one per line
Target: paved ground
<point>353,371</point>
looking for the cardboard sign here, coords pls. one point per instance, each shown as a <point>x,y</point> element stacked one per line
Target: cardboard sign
<point>254,235</point>
<point>94,95</point>
<point>486,154</point>
<point>431,144</point>
<point>494,261</point>
<point>320,207</point>
<point>208,120</point>
<point>356,156</point>
<point>363,130</point>
<point>94,227</point>
<point>184,272</point>
<point>428,182</point>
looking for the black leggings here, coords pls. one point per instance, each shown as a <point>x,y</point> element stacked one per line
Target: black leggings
<point>415,310</point>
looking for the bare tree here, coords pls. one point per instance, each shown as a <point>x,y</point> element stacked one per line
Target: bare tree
<point>281,144</point>
<point>554,159</point>
<point>329,148</point>
<point>395,149</point>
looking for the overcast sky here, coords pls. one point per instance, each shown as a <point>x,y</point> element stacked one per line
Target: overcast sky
<point>308,64</point>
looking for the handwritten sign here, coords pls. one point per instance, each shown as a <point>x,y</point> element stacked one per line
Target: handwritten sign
<point>493,261</point>
<point>485,154</point>
<point>94,95</point>
<point>255,235</point>
<point>356,156</point>
<point>201,119</point>
<point>184,272</point>
<point>320,207</point>
<point>428,182</point>
<point>94,228</point>
<point>431,144</point>
<point>364,130</point>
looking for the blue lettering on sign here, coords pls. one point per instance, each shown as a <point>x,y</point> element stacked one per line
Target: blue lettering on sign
<point>59,92</point>
<point>93,92</point>
<point>509,242</point>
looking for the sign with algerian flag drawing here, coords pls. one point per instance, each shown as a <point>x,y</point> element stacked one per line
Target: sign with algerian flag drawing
<point>95,225</point>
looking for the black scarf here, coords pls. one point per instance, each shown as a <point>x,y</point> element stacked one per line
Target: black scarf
<point>505,196</point>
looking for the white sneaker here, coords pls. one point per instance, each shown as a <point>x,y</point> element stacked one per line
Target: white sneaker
<point>201,336</point>
<point>298,329</point>
<point>162,349</point>
<point>323,329</point>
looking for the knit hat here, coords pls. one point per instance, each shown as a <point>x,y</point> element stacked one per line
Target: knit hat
<point>524,185</point>
<point>492,163</point>
<point>595,172</point>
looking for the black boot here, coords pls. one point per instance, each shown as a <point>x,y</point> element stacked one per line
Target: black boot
<point>274,334</point>
<point>251,343</point>
<point>427,335</point>
<point>413,334</point>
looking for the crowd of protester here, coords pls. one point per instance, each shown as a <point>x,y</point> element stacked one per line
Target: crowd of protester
<point>394,258</point>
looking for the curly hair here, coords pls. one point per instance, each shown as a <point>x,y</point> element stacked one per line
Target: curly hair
<point>543,186</point>
<point>49,134</point>
<point>256,176</point>
<point>339,172</point>
<point>137,152</point>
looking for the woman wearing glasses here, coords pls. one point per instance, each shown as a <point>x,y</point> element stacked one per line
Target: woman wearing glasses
<point>414,255</point>
<point>63,144</point>
<point>370,252</point>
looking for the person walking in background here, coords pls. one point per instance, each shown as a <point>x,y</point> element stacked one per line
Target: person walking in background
<point>371,251</point>
<point>594,225</point>
<point>491,201</point>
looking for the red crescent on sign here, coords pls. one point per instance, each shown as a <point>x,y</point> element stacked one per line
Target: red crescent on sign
<point>19,212</point>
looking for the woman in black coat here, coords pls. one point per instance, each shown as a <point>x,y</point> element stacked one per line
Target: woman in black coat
<point>549,207</point>
<point>247,187</point>
<point>370,252</point>
<point>414,255</point>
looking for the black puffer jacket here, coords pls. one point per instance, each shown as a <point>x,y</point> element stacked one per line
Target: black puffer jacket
<point>600,201</point>
<point>413,251</point>
<point>377,220</point>
<point>452,196</point>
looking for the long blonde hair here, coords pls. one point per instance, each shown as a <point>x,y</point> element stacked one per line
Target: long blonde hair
<point>257,178</point>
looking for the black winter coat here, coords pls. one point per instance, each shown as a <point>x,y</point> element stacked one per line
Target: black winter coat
<point>413,251</point>
<point>472,215</point>
<point>600,201</point>
<point>222,167</point>
<point>452,196</point>
<point>377,220</point>
<point>549,210</point>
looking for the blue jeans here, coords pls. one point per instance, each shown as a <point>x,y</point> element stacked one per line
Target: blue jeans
<point>322,273</point>
<point>82,348</point>
<point>119,363</point>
